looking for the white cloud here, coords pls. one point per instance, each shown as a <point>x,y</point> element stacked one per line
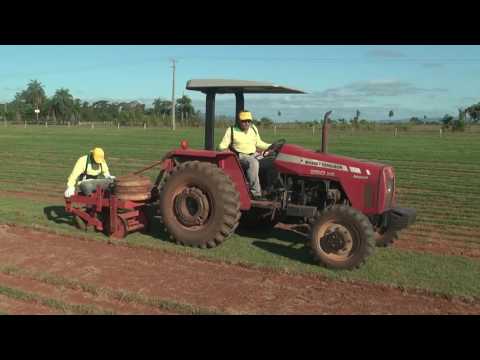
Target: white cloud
<point>385,53</point>
<point>432,65</point>
<point>367,96</point>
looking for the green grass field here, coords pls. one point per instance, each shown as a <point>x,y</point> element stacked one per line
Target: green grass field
<point>439,176</point>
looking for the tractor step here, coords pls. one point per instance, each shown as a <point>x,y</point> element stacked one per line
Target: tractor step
<point>266,204</point>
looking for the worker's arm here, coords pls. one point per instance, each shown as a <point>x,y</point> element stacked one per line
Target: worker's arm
<point>105,170</point>
<point>261,145</point>
<point>77,171</point>
<point>226,140</point>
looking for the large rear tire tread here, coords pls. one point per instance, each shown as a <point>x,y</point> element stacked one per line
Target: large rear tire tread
<point>224,195</point>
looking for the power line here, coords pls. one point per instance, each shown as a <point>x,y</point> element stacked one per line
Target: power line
<point>328,59</point>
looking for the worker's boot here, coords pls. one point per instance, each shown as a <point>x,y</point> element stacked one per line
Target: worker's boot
<point>257,196</point>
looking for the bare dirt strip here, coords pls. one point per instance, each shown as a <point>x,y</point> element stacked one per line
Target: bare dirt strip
<point>32,195</point>
<point>152,277</point>
<point>19,307</point>
<point>439,246</point>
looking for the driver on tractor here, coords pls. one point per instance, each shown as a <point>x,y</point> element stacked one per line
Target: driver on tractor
<point>243,139</point>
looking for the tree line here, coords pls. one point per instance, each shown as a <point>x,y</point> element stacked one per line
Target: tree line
<point>33,105</point>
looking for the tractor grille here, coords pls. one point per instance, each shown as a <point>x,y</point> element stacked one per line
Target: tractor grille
<point>368,195</point>
<point>389,191</point>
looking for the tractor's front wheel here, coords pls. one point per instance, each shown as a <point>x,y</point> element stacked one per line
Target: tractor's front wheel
<point>341,238</point>
<point>199,204</point>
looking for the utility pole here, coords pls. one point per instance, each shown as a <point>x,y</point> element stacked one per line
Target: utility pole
<point>5,113</point>
<point>173,95</point>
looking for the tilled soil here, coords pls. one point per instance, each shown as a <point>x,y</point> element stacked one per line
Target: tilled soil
<point>18,307</point>
<point>192,285</point>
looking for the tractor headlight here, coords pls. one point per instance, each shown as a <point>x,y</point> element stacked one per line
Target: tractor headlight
<point>389,181</point>
<point>389,187</point>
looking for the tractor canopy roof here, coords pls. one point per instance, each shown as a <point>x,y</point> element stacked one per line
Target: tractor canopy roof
<point>223,86</point>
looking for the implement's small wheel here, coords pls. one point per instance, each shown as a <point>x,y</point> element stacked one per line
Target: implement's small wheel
<point>121,231</point>
<point>80,223</point>
<point>341,238</point>
<point>143,218</point>
<point>385,238</point>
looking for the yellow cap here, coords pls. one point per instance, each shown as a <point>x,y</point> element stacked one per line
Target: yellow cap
<point>98,155</point>
<point>245,116</point>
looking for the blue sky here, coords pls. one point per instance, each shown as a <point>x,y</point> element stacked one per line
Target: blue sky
<point>411,80</point>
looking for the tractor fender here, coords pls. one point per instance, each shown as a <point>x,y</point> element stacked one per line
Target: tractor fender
<point>227,161</point>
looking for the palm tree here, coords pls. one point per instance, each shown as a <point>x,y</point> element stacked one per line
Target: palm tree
<point>473,112</point>
<point>390,114</point>
<point>62,104</point>
<point>355,119</point>
<point>162,106</point>
<point>77,107</point>
<point>33,97</point>
<point>34,94</point>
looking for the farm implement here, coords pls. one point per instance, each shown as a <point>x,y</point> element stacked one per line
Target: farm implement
<point>117,211</point>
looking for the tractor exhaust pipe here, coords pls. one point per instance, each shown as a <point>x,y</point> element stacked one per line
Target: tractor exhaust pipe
<point>325,131</point>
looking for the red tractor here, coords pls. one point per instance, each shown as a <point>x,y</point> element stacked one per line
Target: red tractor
<point>348,205</point>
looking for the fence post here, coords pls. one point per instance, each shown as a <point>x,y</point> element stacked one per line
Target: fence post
<point>46,123</point>
<point>93,125</point>
<point>275,130</point>
<point>313,130</point>
<point>395,132</point>
<point>118,125</point>
<point>441,132</point>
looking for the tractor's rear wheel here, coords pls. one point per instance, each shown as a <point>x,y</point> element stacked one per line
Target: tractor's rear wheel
<point>199,205</point>
<point>341,238</point>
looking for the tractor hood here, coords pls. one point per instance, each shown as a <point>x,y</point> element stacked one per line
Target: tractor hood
<point>308,162</point>
<point>367,184</point>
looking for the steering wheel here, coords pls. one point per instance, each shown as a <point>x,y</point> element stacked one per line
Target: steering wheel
<point>275,147</point>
